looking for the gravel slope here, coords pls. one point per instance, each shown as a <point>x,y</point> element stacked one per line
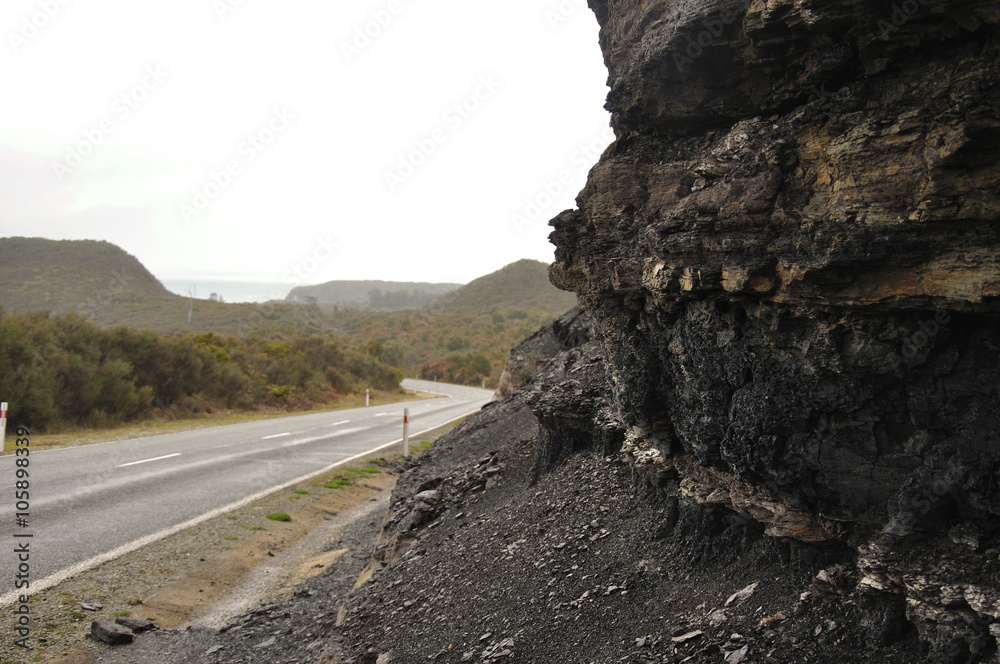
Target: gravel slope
<point>509,562</point>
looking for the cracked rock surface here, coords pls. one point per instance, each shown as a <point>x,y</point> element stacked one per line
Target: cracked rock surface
<point>521,537</point>
<point>790,257</point>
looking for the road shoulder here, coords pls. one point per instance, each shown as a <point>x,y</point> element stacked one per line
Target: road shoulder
<point>204,575</point>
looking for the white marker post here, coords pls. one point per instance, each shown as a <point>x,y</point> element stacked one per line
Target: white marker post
<point>3,425</point>
<point>367,397</point>
<point>406,432</point>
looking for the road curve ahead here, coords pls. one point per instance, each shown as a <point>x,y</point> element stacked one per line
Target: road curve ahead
<point>93,503</point>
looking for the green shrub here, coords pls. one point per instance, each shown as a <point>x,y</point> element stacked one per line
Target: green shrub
<point>64,371</point>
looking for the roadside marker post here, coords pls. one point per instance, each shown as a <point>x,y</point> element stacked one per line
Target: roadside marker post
<point>406,432</point>
<point>3,426</point>
<point>367,397</point>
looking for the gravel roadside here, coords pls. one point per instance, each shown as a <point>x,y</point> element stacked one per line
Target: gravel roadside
<point>179,578</point>
<point>292,629</point>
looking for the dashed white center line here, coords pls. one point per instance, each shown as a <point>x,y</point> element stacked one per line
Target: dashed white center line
<point>277,435</point>
<point>383,414</point>
<point>337,424</point>
<point>160,458</point>
<point>342,432</point>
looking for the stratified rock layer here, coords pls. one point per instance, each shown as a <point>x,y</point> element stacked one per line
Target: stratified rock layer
<point>790,257</point>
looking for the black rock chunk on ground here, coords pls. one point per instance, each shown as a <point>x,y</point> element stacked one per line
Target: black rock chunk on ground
<point>136,625</point>
<point>109,632</point>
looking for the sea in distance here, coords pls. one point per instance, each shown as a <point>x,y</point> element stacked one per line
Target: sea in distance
<point>229,290</point>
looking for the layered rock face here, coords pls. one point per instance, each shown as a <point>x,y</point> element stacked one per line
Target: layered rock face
<point>791,257</point>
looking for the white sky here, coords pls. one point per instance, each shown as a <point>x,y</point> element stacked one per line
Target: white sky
<point>183,85</point>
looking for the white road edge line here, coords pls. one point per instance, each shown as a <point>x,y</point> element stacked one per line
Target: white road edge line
<point>57,578</point>
<point>136,463</point>
<point>277,435</point>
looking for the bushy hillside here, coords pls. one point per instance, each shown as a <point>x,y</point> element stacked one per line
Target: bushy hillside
<point>374,295</point>
<point>59,371</point>
<point>106,285</point>
<point>462,337</point>
<point>523,285</point>
<point>85,276</point>
<point>450,347</point>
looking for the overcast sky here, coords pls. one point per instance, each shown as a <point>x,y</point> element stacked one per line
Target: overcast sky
<point>382,139</point>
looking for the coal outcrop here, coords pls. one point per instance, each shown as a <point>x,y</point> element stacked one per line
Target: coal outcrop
<point>790,256</point>
<point>776,437</point>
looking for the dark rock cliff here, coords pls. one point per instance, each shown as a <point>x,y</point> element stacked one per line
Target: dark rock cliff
<point>790,258</point>
<point>772,435</point>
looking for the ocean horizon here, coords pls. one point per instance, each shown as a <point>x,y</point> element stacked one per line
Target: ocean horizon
<point>229,290</point>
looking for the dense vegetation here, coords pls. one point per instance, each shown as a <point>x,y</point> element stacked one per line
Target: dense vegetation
<point>449,347</point>
<point>59,371</point>
<point>374,295</point>
<point>108,343</point>
<point>398,300</point>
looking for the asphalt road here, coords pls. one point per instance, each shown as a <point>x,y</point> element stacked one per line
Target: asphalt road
<point>94,503</point>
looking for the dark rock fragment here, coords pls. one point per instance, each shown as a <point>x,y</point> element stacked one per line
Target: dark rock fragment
<point>135,624</point>
<point>110,633</point>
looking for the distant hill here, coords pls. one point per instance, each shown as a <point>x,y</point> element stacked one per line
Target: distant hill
<point>462,336</point>
<point>522,285</point>
<point>372,295</point>
<point>103,283</point>
<point>85,276</point>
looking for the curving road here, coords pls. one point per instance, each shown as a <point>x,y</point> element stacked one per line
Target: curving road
<point>94,503</point>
